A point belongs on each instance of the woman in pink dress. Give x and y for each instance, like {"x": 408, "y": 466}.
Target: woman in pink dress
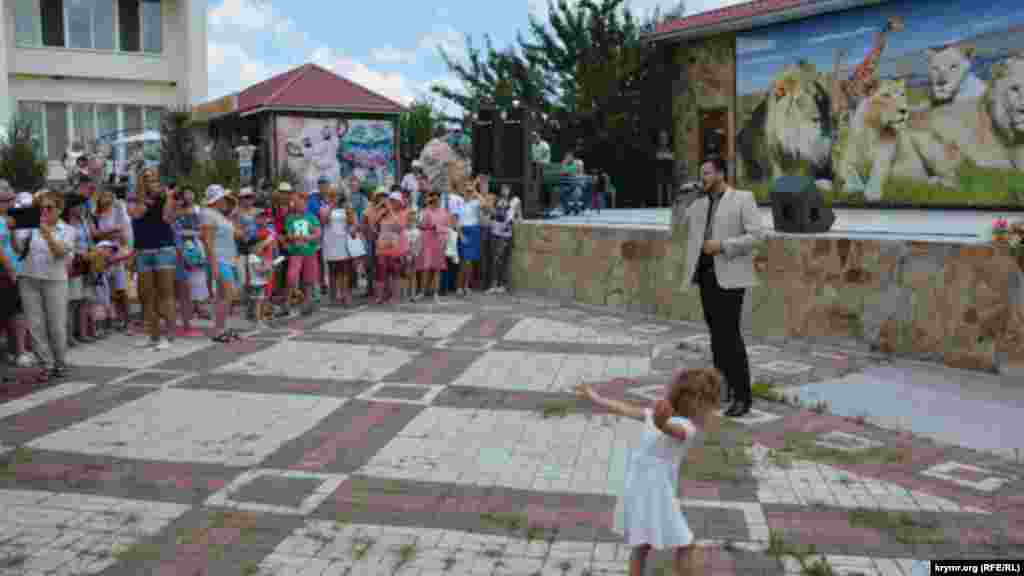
{"x": 433, "y": 224}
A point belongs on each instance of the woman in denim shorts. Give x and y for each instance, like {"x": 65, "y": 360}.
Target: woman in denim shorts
{"x": 156, "y": 257}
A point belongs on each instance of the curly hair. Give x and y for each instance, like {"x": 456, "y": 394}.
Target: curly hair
{"x": 694, "y": 393}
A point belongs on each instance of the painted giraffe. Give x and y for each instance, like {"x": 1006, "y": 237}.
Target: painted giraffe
{"x": 846, "y": 92}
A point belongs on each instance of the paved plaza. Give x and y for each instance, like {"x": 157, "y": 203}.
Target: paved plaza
{"x": 444, "y": 439}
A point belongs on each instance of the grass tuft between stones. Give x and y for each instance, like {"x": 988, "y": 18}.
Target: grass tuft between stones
{"x": 902, "y": 526}
{"x": 803, "y": 446}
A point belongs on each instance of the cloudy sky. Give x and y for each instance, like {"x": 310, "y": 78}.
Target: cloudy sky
{"x": 389, "y": 46}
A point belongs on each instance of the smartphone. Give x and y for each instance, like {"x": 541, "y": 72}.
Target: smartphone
{"x": 25, "y": 217}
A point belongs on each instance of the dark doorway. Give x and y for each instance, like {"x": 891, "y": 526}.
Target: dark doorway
{"x": 714, "y": 126}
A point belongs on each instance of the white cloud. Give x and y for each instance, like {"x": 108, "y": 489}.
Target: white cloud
{"x": 390, "y": 55}
{"x": 242, "y": 14}
{"x": 862, "y": 31}
{"x": 232, "y": 68}
{"x": 391, "y": 85}
{"x": 448, "y": 39}
{"x": 242, "y": 18}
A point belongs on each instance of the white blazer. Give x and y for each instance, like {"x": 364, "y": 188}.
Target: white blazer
{"x": 738, "y": 224}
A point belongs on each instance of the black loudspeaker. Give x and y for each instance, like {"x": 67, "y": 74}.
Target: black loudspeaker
{"x": 513, "y": 140}
{"x": 799, "y": 208}
{"x": 483, "y": 142}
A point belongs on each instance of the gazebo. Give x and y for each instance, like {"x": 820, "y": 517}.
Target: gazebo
{"x": 313, "y": 121}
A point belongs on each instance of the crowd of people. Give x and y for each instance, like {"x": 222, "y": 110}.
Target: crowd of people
{"x": 68, "y": 275}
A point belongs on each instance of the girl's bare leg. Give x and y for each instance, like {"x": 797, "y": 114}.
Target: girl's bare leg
{"x": 332, "y": 281}
{"x": 687, "y": 558}
{"x": 638, "y": 560}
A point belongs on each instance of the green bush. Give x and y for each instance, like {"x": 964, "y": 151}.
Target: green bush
{"x": 19, "y": 163}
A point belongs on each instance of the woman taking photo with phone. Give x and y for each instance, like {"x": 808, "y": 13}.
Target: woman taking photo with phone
{"x": 43, "y": 284}
{"x": 153, "y": 215}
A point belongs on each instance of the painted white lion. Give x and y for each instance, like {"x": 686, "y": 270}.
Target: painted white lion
{"x": 317, "y": 146}
{"x": 990, "y": 131}
{"x": 790, "y": 130}
{"x": 949, "y": 75}
{"x": 882, "y": 144}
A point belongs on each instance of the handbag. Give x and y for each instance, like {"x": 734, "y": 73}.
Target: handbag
{"x": 356, "y": 247}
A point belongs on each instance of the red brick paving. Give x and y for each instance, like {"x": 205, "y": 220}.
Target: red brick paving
{"x": 822, "y": 527}
{"x": 488, "y": 328}
{"x": 333, "y": 444}
{"x": 438, "y": 362}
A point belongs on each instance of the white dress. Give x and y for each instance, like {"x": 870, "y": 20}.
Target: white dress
{"x": 335, "y": 243}
{"x": 648, "y": 510}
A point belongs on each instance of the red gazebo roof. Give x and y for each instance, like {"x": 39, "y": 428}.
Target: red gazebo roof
{"x": 311, "y": 87}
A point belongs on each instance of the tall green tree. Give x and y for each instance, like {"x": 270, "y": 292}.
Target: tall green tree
{"x": 416, "y": 126}
{"x": 177, "y": 144}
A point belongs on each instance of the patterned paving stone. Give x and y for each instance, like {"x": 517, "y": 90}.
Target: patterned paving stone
{"x": 54, "y": 414}
{"x": 545, "y": 330}
{"x": 547, "y": 372}
{"x": 72, "y": 533}
{"x": 399, "y": 324}
{"x": 183, "y": 483}
{"x": 120, "y": 351}
{"x": 153, "y": 378}
{"x": 453, "y": 427}
{"x": 345, "y": 440}
{"x": 435, "y": 367}
{"x": 233, "y": 428}
{"x": 321, "y": 361}
{"x": 402, "y": 393}
{"x": 519, "y": 450}
{"x": 277, "y": 491}
{"x": 966, "y": 475}
{"x": 277, "y": 385}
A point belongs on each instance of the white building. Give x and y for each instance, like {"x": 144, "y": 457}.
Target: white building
{"x": 84, "y": 69}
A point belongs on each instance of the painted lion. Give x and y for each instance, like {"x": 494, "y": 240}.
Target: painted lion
{"x": 882, "y": 144}
{"x": 990, "y": 131}
{"x": 949, "y": 75}
{"x": 790, "y": 131}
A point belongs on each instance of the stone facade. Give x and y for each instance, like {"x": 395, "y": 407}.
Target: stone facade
{"x": 962, "y": 305}
{"x": 709, "y": 84}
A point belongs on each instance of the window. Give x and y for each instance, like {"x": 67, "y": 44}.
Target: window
{"x": 52, "y": 13}
{"x": 153, "y": 118}
{"x": 106, "y": 119}
{"x": 90, "y": 24}
{"x": 128, "y": 17}
{"x": 152, "y": 26}
{"x": 83, "y": 119}
{"x": 132, "y": 118}
{"x": 28, "y": 23}
{"x": 56, "y": 130}
{"x": 34, "y": 114}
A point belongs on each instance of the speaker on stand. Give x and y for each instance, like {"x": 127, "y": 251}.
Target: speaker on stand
{"x": 483, "y": 141}
{"x": 798, "y": 207}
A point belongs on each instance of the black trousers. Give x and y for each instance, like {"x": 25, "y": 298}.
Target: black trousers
{"x": 723, "y": 309}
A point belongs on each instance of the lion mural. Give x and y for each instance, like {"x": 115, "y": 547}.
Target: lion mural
{"x": 949, "y": 75}
{"x": 881, "y": 144}
{"x": 990, "y": 131}
{"x": 791, "y": 129}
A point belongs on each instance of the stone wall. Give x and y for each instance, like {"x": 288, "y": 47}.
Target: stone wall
{"x": 958, "y": 304}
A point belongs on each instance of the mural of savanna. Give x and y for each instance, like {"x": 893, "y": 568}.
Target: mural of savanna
{"x": 902, "y": 102}
{"x": 337, "y": 148}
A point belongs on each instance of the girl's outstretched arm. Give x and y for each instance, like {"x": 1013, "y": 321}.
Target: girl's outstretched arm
{"x": 622, "y": 408}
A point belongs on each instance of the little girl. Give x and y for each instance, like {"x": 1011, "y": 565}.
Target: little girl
{"x": 390, "y": 234}
{"x": 412, "y": 232}
{"x": 452, "y": 236}
{"x": 259, "y": 270}
{"x": 334, "y": 221}
{"x": 647, "y": 513}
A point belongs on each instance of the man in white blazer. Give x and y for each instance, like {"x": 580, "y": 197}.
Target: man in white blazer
{"x": 725, "y": 226}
